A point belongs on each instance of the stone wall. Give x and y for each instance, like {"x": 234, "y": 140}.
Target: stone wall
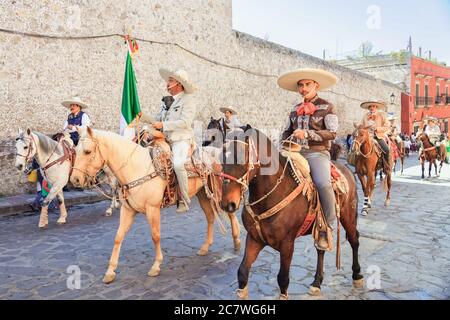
{"x": 229, "y": 67}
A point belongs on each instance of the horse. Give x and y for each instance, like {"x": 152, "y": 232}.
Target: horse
{"x": 400, "y": 153}
{"x": 143, "y": 187}
{"x": 431, "y": 155}
{"x": 212, "y": 133}
{"x": 252, "y": 162}
{"x": 55, "y": 161}
{"x": 368, "y": 162}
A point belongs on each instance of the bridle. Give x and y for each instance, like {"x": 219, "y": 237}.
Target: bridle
{"x": 87, "y": 176}
{"x": 244, "y": 180}
{"x": 27, "y": 157}
{"x": 357, "y": 148}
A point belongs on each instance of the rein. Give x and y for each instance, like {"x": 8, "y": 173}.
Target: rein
{"x": 358, "y": 149}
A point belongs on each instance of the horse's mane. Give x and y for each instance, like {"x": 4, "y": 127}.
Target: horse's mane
{"x": 46, "y": 143}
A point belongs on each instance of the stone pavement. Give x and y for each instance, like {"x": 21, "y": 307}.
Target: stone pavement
{"x": 407, "y": 243}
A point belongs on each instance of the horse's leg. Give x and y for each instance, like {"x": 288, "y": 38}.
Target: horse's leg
{"x": 423, "y": 168}
{"x": 54, "y": 191}
{"x": 252, "y": 249}
{"x": 429, "y": 169}
{"x": 435, "y": 167}
{"x": 154, "y": 219}
{"x": 235, "y": 231}
{"x": 209, "y": 214}
{"x": 353, "y": 238}
{"x": 286, "y": 253}
{"x": 62, "y": 208}
{"x": 112, "y": 181}
{"x": 403, "y": 161}
{"x": 362, "y": 179}
{"x": 314, "y": 289}
{"x": 126, "y": 220}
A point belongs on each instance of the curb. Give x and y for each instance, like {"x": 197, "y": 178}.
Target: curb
{"x": 21, "y": 204}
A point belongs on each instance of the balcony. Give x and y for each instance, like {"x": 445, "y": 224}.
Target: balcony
{"x": 424, "y": 101}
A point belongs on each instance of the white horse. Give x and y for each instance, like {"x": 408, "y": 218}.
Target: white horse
{"x": 46, "y": 151}
{"x": 133, "y": 167}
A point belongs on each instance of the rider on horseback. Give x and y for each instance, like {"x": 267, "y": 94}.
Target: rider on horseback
{"x": 76, "y": 117}
{"x": 314, "y": 123}
{"x": 176, "y": 122}
{"x": 433, "y": 132}
{"x": 229, "y": 118}
{"x": 377, "y": 122}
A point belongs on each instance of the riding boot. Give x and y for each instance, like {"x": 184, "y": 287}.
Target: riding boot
{"x": 328, "y": 202}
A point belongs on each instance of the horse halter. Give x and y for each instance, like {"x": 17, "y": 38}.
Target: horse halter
{"x": 87, "y": 176}
{"x": 244, "y": 180}
{"x": 30, "y": 149}
{"x": 357, "y": 147}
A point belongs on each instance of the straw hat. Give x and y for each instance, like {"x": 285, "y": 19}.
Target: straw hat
{"x": 229, "y": 108}
{"x": 289, "y": 81}
{"x": 379, "y": 104}
{"x": 433, "y": 119}
{"x": 392, "y": 118}
{"x": 181, "y": 76}
{"x": 74, "y": 100}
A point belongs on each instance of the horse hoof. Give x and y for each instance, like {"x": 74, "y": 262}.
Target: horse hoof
{"x": 358, "y": 284}
{"x": 313, "y": 291}
{"x": 284, "y": 297}
{"x": 364, "y": 213}
{"x": 202, "y": 252}
{"x": 43, "y": 227}
{"x": 109, "y": 277}
{"x": 117, "y": 205}
{"x": 154, "y": 272}
{"x": 108, "y": 213}
{"x": 237, "y": 246}
{"x": 387, "y": 203}
{"x": 61, "y": 222}
{"x": 242, "y": 293}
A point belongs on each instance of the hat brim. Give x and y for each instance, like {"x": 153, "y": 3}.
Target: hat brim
{"x": 187, "y": 85}
{"x": 366, "y": 105}
{"x": 224, "y": 109}
{"x": 289, "y": 80}
{"x": 67, "y": 103}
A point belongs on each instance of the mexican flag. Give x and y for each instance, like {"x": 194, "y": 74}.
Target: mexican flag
{"x": 130, "y": 100}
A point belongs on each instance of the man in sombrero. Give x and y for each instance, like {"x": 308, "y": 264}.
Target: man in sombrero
{"x": 77, "y": 117}
{"x": 314, "y": 123}
{"x": 229, "y": 118}
{"x": 176, "y": 123}
{"x": 376, "y": 120}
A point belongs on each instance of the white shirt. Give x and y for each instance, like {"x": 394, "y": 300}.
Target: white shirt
{"x": 85, "y": 122}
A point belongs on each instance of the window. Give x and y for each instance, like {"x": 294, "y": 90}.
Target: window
{"x": 418, "y": 94}
{"x": 426, "y": 95}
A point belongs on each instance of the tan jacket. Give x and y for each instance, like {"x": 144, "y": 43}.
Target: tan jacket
{"x": 178, "y": 120}
{"x": 378, "y": 123}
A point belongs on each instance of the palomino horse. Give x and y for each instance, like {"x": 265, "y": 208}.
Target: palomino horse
{"x": 368, "y": 162}
{"x": 430, "y": 154}
{"x": 56, "y": 164}
{"x": 135, "y": 171}
{"x": 265, "y": 173}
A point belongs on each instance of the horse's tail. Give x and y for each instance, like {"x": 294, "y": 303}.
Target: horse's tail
{"x": 335, "y": 151}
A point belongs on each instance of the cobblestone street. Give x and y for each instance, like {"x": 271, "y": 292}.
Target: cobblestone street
{"x": 409, "y": 243}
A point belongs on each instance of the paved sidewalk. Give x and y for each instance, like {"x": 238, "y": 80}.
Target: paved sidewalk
{"x": 21, "y": 204}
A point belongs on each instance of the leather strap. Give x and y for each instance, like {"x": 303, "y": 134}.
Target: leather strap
{"x": 67, "y": 155}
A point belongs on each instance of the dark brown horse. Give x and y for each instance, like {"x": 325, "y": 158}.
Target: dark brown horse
{"x": 368, "y": 162}
{"x": 430, "y": 154}
{"x": 253, "y": 163}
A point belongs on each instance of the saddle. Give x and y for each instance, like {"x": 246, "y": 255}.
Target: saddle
{"x": 68, "y": 152}
{"x": 200, "y": 164}
{"x": 315, "y": 219}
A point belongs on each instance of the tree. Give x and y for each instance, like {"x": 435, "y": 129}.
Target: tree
{"x": 365, "y": 49}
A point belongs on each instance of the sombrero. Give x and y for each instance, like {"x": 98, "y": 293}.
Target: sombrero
{"x": 229, "y": 108}
{"x": 181, "y": 76}
{"x": 379, "y": 104}
{"x": 74, "y": 100}
{"x": 431, "y": 119}
{"x": 289, "y": 80}
{"x": 392, "y": 118}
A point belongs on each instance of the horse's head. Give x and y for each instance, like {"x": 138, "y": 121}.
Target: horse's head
{"x": 246, "y": 154}
{"x": 213, "y": 133}
{"x": 361, "y": 136}
{"x": 26, "y": 149}
{"x": 89, "y": 159}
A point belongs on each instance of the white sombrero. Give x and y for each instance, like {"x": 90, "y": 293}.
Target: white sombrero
{"x": 229, "y": 108}
{"x": 431, "y": 119}
{"x": 289, "y": 80}
{"x": 392, "y": 118}
{"x": 379, "y": 104}
{"x": 181, "y": 76}
{"x": 74, "y": 100}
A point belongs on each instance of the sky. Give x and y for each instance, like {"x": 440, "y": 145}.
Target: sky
{"x": 340, "y": 27}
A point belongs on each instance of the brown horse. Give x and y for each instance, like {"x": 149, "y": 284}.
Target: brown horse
{"x": 252, "y": 162}
{"x": 368, "y": 162}
{"x": 430, "y": 154}
{"x": 400, "y": 153}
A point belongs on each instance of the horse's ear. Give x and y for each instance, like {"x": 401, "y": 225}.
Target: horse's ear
{"x": 28, "y": 131}
{"x": 355, "y": 125}
{"x": 90, "y": 132}
{"x": 20, "y": 132}
{"x": 248, "y": 127}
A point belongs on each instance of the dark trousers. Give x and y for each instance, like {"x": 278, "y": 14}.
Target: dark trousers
{"x": 384, "y": 147}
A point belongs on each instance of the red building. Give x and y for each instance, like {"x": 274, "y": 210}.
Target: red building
{"x": 429, "y": 95}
